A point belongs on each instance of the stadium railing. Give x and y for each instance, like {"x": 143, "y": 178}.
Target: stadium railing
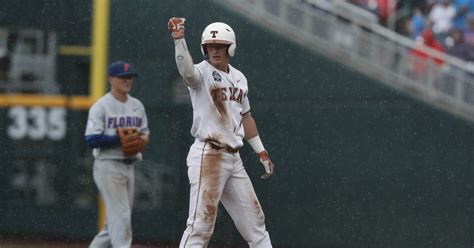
{"x": 340, "y": 32}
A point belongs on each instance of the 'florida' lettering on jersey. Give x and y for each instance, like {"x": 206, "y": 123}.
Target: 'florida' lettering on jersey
{"x": 124, "y": 121}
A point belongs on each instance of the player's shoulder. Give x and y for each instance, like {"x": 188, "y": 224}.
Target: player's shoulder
{"x": 236, "y": 71}
{"x": 203, "y": 65}
{"x": 101, "y": 101}
{"x": 239, "y": 76}
{"x": 135, "y": 101}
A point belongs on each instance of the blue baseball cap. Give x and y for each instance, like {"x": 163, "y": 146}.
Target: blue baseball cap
{"x": 122, "y": 69}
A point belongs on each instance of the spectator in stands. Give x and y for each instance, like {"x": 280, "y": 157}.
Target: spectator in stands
{"x": 459, "y": 48}
{"x": 422, "y": 59}
{"x": 417, "y": 24}
{"x": 469, "y": 33}
{"x": 462, "y": 9}
{"x": 441, "y": 16}
{"x": 384, "y": 9}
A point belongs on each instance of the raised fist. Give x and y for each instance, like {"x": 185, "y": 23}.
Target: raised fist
{"x": 267, "y": 164}
{"x": 176, "y": 27}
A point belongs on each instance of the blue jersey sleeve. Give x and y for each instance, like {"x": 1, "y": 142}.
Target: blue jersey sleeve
{"x": 102, "y": 140}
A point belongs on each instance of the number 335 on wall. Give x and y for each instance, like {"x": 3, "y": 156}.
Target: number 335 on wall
{"x": 36, "y": 123}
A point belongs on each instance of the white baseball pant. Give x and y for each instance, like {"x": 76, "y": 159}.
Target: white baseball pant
{"x": 220, "y": 176}
{"x": 116, "y": 183}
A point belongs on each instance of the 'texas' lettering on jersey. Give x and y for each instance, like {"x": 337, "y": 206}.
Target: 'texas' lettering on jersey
{"x": 227, "y": 94}
{"x": 124, "y": 121}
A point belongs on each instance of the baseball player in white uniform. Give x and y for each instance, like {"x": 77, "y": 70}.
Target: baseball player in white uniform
{"x": 221, "y": 119}
{"x": 113, "y": 171}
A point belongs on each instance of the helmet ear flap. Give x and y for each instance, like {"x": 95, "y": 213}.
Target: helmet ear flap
{"x": 204, "y": 50}
{"x": 231, "y": 49}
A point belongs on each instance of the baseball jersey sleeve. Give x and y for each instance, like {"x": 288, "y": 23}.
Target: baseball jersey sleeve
{"x": 245, "y": 101}
{"x": 95, "y": 120}
{"x": 184, "y": 62}
{"x": 245, "y": 105}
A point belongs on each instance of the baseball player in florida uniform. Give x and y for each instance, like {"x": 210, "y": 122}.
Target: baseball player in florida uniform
{"x": 221, "y": 119}
{"x": 113, "y": 171}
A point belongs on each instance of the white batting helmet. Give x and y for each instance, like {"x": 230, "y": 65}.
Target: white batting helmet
{"x": 218, "y": 33}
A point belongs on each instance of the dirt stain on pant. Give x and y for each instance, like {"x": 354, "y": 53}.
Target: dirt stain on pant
{"x": 258, "y": 212}
{"x": 210, "y": 180}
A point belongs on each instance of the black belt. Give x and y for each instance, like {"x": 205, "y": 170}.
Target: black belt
{"x": 225, "y": 148}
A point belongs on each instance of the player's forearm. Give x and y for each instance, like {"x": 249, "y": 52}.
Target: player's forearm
{"x": 185, "y": 64}
{"x": 102, "y": 140}
{"x": 250, "y": 127}
{"x": 251, "y": 133}
{"x": 252, "y": 137}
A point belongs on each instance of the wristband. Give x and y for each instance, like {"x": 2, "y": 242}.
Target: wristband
{"x": 256, "y": 144}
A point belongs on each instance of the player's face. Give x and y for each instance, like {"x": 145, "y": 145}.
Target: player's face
{"x": 121, "y": 85}
{"x": 218, "y": 56}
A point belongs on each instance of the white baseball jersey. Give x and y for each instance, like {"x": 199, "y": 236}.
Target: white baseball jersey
{"x": 108, "y": 114}
{"x": 219, "y": 101}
